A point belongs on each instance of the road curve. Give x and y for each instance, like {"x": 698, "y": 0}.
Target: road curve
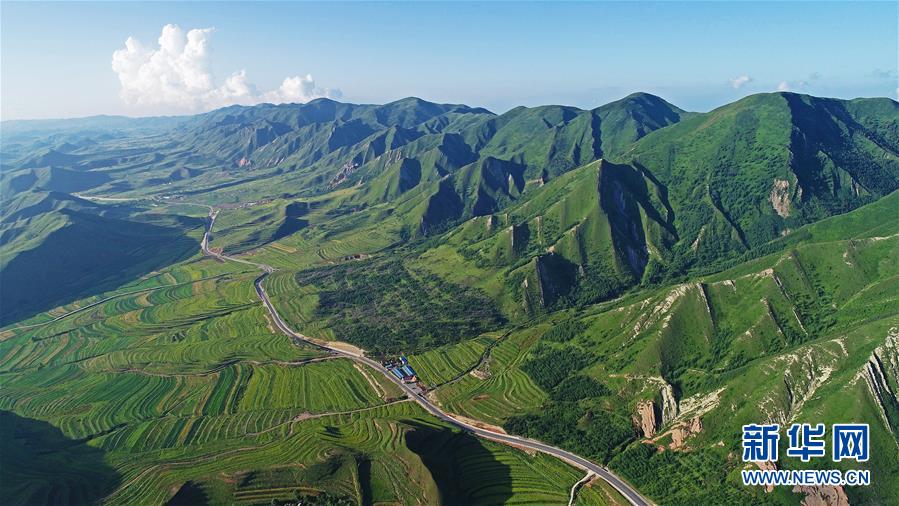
{"x": 620, "y": 485}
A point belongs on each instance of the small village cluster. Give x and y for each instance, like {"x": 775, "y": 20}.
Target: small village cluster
{"x": 400, "y": 368}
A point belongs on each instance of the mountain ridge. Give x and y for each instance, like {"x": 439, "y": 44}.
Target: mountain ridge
{"x": 680, "y": 191}
{"x": 631, "y": 283}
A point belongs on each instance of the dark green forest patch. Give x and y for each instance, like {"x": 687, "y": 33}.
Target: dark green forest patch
{"x": 383, "y": 306}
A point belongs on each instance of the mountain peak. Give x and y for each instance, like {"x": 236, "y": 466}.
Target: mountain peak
{"x": 322, "y": 100}
{"x": 643, "y": 99}
{"x": 644, "y": 96}
{"x": 411, "y": 101}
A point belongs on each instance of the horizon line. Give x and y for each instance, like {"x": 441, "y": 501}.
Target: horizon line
{"x": 322, "y": 99}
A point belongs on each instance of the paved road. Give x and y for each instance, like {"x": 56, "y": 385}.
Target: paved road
{"x": 623, "y": 488}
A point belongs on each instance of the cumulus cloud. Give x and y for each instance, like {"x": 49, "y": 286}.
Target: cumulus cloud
{"x": 738, "y": 82}
{"x": 799, "y": 84}
{"x": 178, "y": 74}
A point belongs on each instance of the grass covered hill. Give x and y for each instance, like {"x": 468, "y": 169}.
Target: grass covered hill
{"x": 430, "y": 165}
{"x": 698, "y": 195}
{"x": 321, "y": 145}
{"x": 56, "y": 248}
{"x": 520, "y": 196}
{"x": 632, "y": 283}
{"x": 658, "y": 383}
{"x": 769, "y": 163}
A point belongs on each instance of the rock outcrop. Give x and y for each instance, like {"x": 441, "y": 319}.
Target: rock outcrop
{"x": 882, "y": 366}
{"x": 669, "y": 403}
{"x": 649, "y": 417}
{"x": 681, "y": 432}
{"x": 645, "y": 418}
{"x": 780, "y": 197}
{"x": 767, "y": 466}
{"x": 822, "y": 495}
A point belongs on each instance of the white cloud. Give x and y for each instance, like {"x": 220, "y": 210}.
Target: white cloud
{"x": 738, "y": 82}
{"x": 799, "y": 84}
{"x": 178, "y": 74}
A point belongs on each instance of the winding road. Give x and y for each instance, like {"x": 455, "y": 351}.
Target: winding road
{"x": 620, "y": 485}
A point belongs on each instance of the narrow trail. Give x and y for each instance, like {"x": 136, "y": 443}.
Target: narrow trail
{"x": 620, "y": 485}
{"x": 222, "y": 366}
{"x": 312, "y": 416}
{"x": 577, "y": 486}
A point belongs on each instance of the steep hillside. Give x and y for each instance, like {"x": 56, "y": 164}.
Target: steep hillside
{"x": 584, "y": 236}
{"x": 55, "y": 248}
{"x": 231, "y": 147}
{"x": 659, "y": 383}
{"x": 301, "y": 134}
{"x": 241, "y": 153}
{"x": 632, "y": 282}
{"x": 695, "y": 196}
{"x": 552, "y": 139}
{"x": 750, "y": 171}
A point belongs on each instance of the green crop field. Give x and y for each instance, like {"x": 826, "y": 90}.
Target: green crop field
{"x": 389, "y": 454}
{"x": 502, "y": 389}
{"x": 445, "y": 363}
{"x": 178, "y": 387}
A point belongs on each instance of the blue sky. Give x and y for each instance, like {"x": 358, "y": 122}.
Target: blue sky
{"x": 57, "y": 58}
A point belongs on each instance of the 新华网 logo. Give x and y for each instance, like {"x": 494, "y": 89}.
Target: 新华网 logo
{"x": 806, "y": 442}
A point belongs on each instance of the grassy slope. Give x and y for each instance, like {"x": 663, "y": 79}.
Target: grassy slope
{"x": 184, "y": 389}
{"x": 831, "y": 155}
{"x": 696, "y": 196}
{"x": 188, "y": 350}
{"x": 57, "y": 249}
{"x": 785, "y": 337}
{"x": 699, "y": 195}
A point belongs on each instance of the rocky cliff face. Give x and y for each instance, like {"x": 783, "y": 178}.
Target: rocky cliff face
{"x": 881, "y": 373}
{"x": 681, "y": 432}
{"x": 648, "y": 416}
{"x": 645, "y": 418}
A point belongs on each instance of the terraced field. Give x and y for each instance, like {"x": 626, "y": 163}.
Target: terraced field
{"x": 176, "y": 386}
{"x": 384, "y": 455}
{"x": 159, "y": 368}
{"x": 499, "y": 389}
{"x": 297, "y": 234}
{"x": 318, "y": 387}
{"x": 445, "y": 363}
{"x": 299, "y": 252}
{"x": 295, "y": 303}
{"x": 598, "y": 493}
{"x": 195, "y": 269}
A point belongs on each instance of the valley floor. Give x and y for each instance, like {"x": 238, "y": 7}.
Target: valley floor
{"x": 177, "y": 387}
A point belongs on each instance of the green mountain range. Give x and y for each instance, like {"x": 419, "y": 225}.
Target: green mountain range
{"x": 632, "y": 283}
